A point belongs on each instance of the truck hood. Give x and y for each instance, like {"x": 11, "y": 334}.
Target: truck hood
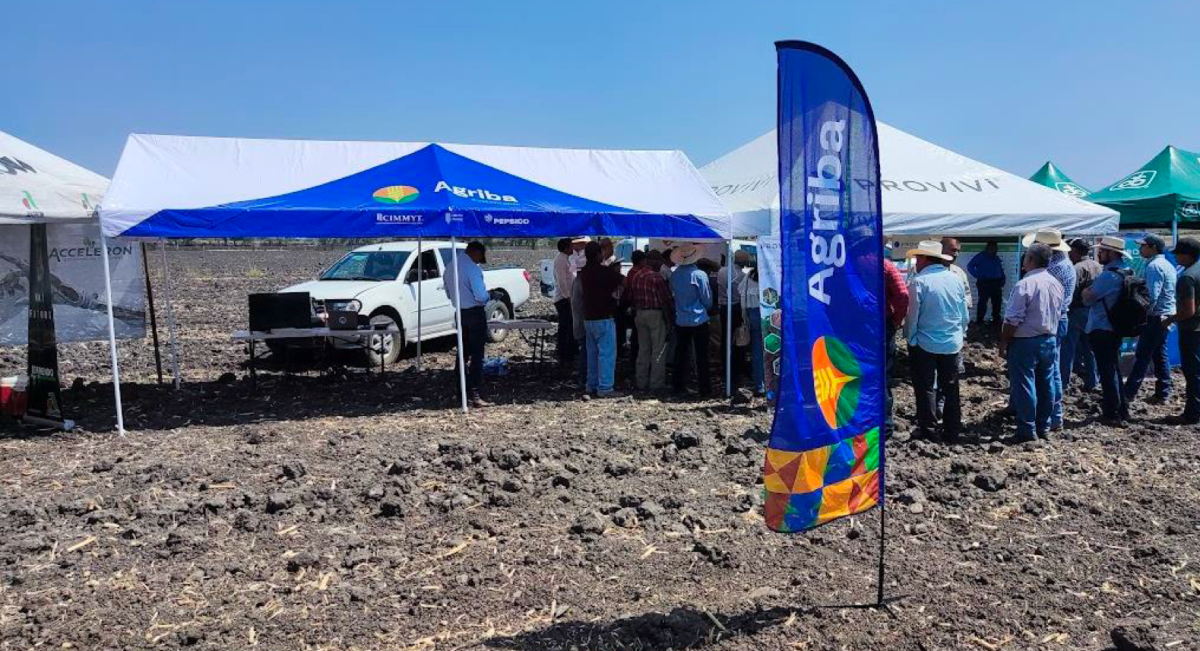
{"x": 323, "y": 290}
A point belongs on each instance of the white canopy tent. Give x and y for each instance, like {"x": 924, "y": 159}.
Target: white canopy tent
{"x": 195, "y": 187}
{"x": 927, "y": 190}
{"x": 37, "y": 187}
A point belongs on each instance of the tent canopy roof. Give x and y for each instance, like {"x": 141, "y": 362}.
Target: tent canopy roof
{"x": 1166, "y": 188}
{"x": 926, "y": 190}
{"x": 39, "y": 187}
{"x": 179, "y": 187}
{"x": 1051, "y": 176}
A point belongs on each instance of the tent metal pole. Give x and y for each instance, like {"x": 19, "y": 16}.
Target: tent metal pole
{"x": 728, "y": 319}
{"x": 153, "y": 314}
{"x": 112, "y": 334}
{"x": 170, "y": 316}
{"x": 420, "y": 282}
{"x": 462, "y": 364}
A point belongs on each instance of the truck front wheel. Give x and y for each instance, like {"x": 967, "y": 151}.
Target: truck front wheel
{"x": 497, "y": 310}
{"x": 384, "y": 347}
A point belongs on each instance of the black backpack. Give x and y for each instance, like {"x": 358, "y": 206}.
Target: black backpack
{"x": 1129, "y": 314}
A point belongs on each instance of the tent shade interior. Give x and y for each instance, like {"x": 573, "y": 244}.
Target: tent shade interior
{"x": 926, "y": 190}
{"x": 1164, "y": 191}
{"x": 188, "y": 187}
{"x": 39, "y": 187}
{"x": 1052, "y": 177}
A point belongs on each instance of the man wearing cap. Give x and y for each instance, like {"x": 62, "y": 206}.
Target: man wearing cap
{"x": 1160, "y": 279}
{"x": 465, "y": 272}
{"x": 1063, "y": 271}
{"x": 1027, "y": 340}
{"x": 934, "y": 328}
{"x": 1187, "y": 317}
{"x": 1076, "y": 353}
{"x": 988, "y": 270}
{"x": 1106, "y": 345}
{"x": 693, "y": 298}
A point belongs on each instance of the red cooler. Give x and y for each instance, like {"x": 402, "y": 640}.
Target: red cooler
{"x": 13, "y": 397}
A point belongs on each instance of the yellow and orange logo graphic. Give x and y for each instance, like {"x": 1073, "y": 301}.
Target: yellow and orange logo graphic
{"x": 396, "y": 194}
{"x": 837, "y": 380}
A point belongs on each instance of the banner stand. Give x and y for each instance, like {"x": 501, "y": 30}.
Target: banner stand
{"x": 420, "y": 282}
{"x": 728, "y": 318}
{"x": 153, "y": 316}
{"x": 170, "y": 315}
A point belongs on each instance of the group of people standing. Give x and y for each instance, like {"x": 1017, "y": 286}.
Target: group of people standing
{"x": 1058, "y": 323}
{"x": 663, "y": 306}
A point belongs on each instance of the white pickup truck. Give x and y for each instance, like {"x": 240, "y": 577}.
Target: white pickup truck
{"x": 380, "y": 282}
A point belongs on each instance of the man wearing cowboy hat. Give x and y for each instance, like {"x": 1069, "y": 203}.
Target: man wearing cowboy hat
{"x": 693, "y": 299}
{"x": 1160, "y": 278}
{"x": 1063, "y": 271}
{"x": 1106, "y": 345}
{"x": 1027, "y": 341}
{"x": 934, "y": 328}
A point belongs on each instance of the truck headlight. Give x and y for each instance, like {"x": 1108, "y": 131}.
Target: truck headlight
{"x": 352, "y": 305}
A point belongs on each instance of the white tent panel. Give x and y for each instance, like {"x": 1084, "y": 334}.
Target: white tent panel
{"x": 926, "y": 190}
{"x": 39, "y": 187}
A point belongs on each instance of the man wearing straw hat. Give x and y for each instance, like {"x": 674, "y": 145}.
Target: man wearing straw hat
{"x": 934, "y": 327}
{"x": 1106, "y": 345}
{"x": 1027, "y": 341}
{"x": 1061, "y": 269}
{"x": 693, "y": 299}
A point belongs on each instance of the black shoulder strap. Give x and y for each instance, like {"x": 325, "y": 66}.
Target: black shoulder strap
{"x": 1124, "y": 274}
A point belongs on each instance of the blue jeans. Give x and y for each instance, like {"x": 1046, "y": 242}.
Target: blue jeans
{"x": 1076, "y": 356}
{"x": 1151, "y": 347}
{"x": 757, "y": 371}
{"x": 601, "y": 337}
{"x": 1031, "y": 371}
{"x": 1056, "y": 381}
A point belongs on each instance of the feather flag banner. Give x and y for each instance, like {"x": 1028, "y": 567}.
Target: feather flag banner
{"x": 825, "y": 457}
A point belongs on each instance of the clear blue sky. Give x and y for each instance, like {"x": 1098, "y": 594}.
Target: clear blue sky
{"x": 1099, "y": 87}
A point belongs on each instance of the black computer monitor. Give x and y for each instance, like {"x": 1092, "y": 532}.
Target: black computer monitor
{"x": 274, "y": 311}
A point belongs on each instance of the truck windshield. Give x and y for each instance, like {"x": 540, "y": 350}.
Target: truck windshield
{"x": 367, "y": 265}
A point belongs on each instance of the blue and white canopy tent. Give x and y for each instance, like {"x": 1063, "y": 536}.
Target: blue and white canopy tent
{"x": 198, "y": 187}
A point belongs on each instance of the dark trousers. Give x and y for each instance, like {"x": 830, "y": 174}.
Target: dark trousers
{"x": 989, "y": 292}
{"x": 475, "y": 332}
{"x": 932, "y": 373}
{"x": 739, "y": 352}
{"x": 565, "y": 342}
{"x": 1106, "y": 346}
{"x": 691, "y": 340}
{"x": 1189, "y": 353}
{"x": 1151, "y": 348}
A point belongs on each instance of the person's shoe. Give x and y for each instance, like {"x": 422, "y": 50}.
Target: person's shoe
{"x": 1181, "y": 419}
{"x": 1158, "y": 399}
{"x": 1110, "y": 421}
{"x": 479, "y": 403}
{"x": 608, "y": 395}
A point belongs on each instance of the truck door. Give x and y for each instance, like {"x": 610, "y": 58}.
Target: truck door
{"x": 435, "y": 307}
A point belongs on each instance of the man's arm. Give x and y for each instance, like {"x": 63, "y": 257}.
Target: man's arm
{"x": 899, "y": 291}
{"x": 1185, "y": 302}
{"x": 914, "y": 311}
{"x": 1154, "y": 284}
{"x": 478, "y": 288}
{"x": 706, "y": 296}
{"x": 1014, "y": 316}
{"x": 973, "y": 267}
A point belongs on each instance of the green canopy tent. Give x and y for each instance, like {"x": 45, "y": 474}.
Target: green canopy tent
{"x": 1052, "y": 177}
{"x": 1164, "y": 192}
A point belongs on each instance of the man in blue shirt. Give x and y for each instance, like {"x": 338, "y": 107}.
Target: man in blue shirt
{"x": 463, "y": 271}
{"x": 934, "y": 328}
{"x": 1152, "y": 343}
{"x": 1106, "y": 345}
{"x": 1187, "y": 318}
{"x": 693, "y": 299}
{"x": 988, "y": 270}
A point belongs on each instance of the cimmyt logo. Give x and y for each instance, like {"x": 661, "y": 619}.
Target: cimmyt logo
{"x": 1136, "y": 181}
{"x": 837, "y": 380}
{"x": 396, "y": 194}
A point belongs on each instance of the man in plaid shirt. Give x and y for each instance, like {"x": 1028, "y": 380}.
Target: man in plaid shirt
{"x": 651, "y": 300}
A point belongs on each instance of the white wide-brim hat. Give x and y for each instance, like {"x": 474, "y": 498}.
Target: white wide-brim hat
{"x": 686, "y": 254}
{"x": 1114, "y": 244}
{"x": 929, "y": 249}
{"x": 1051, "y": 237}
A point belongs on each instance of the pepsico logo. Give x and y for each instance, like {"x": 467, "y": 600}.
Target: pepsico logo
{"x": 837, "y": 380}
{"x": 396, "y": 194}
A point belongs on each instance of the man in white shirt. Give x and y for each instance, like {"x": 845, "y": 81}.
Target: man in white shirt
{"x": 564, "y": 280}
{"x": 465, "y": 273}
